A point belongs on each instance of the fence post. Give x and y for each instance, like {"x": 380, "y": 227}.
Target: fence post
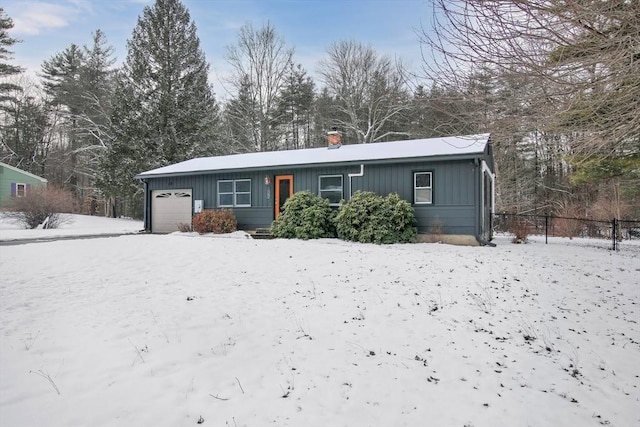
{"x": 614, "y": 232}
{"x": 546, "y": 228}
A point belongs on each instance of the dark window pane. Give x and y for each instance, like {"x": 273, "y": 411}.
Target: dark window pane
{"x": 330, "y": 182}
{"x": 243, "y": 186}
{"x": 333, "y": 196}
{"x": 225, "y": 186}
{"x": 243, "y": 199}
{"x": 423, "y": 180}
{"x": 226, "y": 199}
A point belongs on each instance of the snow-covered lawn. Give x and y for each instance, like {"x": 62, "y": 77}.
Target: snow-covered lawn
{"x": 172, "y": 330}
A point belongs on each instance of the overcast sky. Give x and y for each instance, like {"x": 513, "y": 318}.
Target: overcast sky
{"x": 49, "y": 26}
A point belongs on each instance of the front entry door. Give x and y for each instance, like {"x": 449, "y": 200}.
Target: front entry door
{"x": 284, "y": 190}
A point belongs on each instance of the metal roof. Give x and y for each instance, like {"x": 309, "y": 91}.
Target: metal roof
{"x": 416, "y": 148}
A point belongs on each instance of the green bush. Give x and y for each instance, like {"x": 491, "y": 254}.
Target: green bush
{"x": 305, "y": 216}
{"x": 215, "y": 221}
{"x": 369, "y": 218}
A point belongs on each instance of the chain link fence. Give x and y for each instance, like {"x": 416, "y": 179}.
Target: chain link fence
{"x": 614, "y": 231}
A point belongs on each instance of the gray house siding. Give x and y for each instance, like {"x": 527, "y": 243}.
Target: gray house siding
{"x": 455, "y": 204}
{"x": 454, "y": 201}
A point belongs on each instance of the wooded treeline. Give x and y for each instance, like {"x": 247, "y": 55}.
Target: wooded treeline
{"x": 556, "y": 83}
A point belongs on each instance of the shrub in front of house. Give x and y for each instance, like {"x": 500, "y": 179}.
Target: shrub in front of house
{"x": 46, "y": 206}
{"x": 519, "y": 228}
{"x": 305, "y": 216}
{"x": 370, "y": 218}
{"x": 215, "y": 221}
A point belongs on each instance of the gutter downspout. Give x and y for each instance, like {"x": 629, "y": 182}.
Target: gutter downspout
{"x": 478, "y": 199}
{"x": 352, "y": 175}
{"x": 484, "y": 168}
{"x": 492, "y": 176}
{"x": 145, "y": 206}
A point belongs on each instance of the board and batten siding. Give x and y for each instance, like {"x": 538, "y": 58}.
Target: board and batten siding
{"x": 454, "y": 200}
{"x": 454, "y": 190}
{"x": 205, "y": 187}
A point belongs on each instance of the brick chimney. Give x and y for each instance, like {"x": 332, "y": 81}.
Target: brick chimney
{"x": 334, "y": 140}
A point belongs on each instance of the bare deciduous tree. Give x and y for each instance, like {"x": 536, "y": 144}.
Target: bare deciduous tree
{"x": 577, "y": 69}
{"x": 260, "y": 60}
{"x": 585, "y": 55}
{"x": 369, "y": 89}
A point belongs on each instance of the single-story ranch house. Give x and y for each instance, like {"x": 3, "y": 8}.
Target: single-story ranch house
{"x": 449, "y": 181}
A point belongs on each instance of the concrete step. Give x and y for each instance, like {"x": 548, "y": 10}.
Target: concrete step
{"x": 262, "y": 233}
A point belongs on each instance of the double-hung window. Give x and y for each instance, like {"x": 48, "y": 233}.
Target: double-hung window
{"x": 423, "y": 188}
{"x": 330, "y": 187}
{"x": 242, "y": 189}
{"x": 234, "y": 193}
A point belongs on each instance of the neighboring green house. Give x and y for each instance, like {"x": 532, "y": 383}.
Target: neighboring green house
{"x": 16, "y": 183}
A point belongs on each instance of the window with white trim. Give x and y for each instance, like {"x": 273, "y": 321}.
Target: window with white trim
{"x": 225, "y": 193}
{"x": 234, "y": 193}
{"x": 330, "y": 187}
{"x": 422, "y": 188}
{"x": 242, "y": 188}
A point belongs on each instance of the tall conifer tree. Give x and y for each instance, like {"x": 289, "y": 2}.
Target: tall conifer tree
{"x": 6, "y": 69}
{"x": 78, "y": 82}
{"x": 164, "y": 108}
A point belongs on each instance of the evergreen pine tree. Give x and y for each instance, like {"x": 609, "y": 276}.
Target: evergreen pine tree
{"x": 325, "y": 118}
{"x": 62, "y": 83}
{"x": 164, "y": 109}
{"x": 6, "y": 69}
{"x": 78, "y": 82}
{"x": 238, "y": 112}
{"x": 294, "y": 112}
{"x": 94, "y": 122}
{"x": 97, "y": 79}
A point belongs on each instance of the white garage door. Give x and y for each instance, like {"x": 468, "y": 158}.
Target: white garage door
{"x": 169, "y": 208}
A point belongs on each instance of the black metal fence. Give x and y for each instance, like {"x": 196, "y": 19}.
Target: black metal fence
{"x": 615, "y": 230}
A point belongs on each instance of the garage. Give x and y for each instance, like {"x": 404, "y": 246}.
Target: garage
{"x": 169, "y": 208}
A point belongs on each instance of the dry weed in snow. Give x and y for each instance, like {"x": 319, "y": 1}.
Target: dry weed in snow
{"x": 181, "y": 330}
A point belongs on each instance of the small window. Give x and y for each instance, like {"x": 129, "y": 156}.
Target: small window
{"x": 330, "y": 187}
{"x": 234, "y": 193}
{"x": 422, "y": 188}
{"x": 21, "y": 190}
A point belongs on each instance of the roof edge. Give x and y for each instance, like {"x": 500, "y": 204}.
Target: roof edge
{"x": 436, "y": 158}
{"x": 205, "y": 165}
{"x": 15, "y": 169}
